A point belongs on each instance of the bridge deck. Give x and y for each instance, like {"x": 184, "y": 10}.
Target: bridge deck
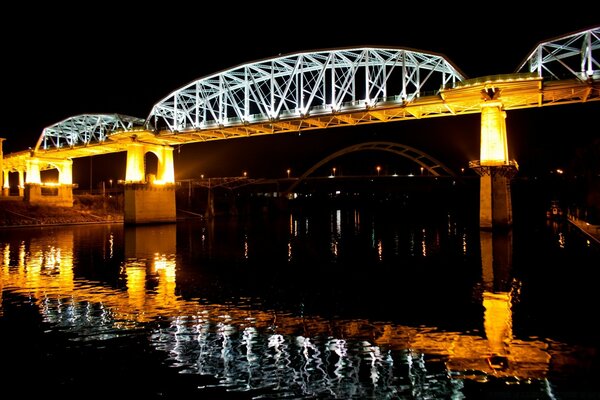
{"x": 518, "y": 91}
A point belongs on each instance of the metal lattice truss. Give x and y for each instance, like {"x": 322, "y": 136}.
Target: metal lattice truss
{"x": 85, "y": 129}
{"x": 576, "y": 55}
{"x": 303, "y": 84}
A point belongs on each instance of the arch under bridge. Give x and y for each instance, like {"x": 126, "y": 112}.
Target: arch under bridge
{"x": 317, "y": 90}
{"x": 427, "y": 162}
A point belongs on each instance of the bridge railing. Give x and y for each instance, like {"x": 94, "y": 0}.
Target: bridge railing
{"x": 517, "y": 76}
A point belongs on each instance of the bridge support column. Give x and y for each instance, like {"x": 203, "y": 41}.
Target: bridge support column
{"x": 21, "y": 183}
{"x": 149, "y": 202}
{"x": 494, "y": 167}
{"x": 6, "y": 183}
{"x": 59, "y": 195}
{"x": 4, "y": 177}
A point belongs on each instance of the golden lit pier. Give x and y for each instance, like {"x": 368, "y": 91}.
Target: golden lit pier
{"x": 316, "y": 90}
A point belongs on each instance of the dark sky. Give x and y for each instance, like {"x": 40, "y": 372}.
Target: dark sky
{"x": 60, "y": 63}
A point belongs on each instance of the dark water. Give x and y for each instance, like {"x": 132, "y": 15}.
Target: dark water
{"x": 340, "y": 304}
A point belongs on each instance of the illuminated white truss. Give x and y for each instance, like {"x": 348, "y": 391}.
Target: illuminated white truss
{"x": 85, "y": 129}
{"x": 301, "y": 85}
{"x": 576, "y": 55}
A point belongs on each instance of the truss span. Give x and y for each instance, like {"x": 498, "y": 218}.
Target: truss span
{"x": 433, "y": 166}
{"x": 575, "y": 55}
{"x": 302, "y": 84}
{"x": 85, "y": 129}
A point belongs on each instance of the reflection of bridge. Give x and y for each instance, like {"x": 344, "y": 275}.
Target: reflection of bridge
{"x": 316, "y": 90}
{"x": 44, "y": 271}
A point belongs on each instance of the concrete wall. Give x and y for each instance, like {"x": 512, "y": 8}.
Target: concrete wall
{"x": 146, "y": 203}
{"x": 63, "y": 197}
{"x": 495, "y": 205}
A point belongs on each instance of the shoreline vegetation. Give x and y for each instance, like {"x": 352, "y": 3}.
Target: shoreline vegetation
{"x": 14, "y": 212}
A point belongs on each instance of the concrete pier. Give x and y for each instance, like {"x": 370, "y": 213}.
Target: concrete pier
{"x": 149, "y": 203}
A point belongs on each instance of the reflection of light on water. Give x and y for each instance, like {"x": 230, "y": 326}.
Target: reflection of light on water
{"x": 424, "y": 244}
{"x": 227, "y": 352}
{"x": 376, "y": 360}
{"x": 340, "y": 348}
{"x": 293, "y": 226}
{"x": 238, "y": 346}
{"x": 6, "y": 255}
{"x": 498, "y": 321}
{"x": 136, "y": 284}
{"x": 380, "y": 250}
{"x": 246, "y": 246}
{"x": 248, "y": 340}
{"x": 5, "y": 265}
{"x": 165, "y": 268}
{"x": 293, "y": 234}
{"x": 561, "y": 240}
{"x": 356, "y": 221}
{"x": 464, "y": 243}
{"x": 22, "y": 255}
{"x": 336, "y": 228}
{"x": 111, "y": 242}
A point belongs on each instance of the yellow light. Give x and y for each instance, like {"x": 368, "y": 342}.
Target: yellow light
{"x": 166, "y": 169}
{"x": 498, "y": 321}
{"x": 136, "y": 284}
{"x": 65, "y": 172}
{"x": 135, "y": 163}
{"x": 494, "y": 147}
{"x": 33, "y": 171}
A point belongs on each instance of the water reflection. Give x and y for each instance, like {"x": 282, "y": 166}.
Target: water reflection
{"x": 508, "y": 356}
{"x": 248, "y": 347}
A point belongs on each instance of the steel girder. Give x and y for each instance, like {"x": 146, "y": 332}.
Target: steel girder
{"x": 85, "y": 129}
{"x": 576, "y": 55}
{"x": 302, "y": 84}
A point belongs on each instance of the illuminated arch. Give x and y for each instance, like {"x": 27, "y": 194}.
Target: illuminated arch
{"x": 433, "y": 166}
{"x": 303, "y": 84}
{"x": 85, "y": 129}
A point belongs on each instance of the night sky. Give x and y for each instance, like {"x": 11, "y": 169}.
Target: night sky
{"x": 60, "y": 63}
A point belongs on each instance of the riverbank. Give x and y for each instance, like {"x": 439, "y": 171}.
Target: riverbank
{"x": 14, "y": 212}
{"x": 592, "y": 231}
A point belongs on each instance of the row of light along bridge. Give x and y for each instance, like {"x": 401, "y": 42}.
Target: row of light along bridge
{"x": 314, "y": 90}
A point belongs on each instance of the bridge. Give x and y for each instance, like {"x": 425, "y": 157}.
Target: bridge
{"x": 315, "y": 90}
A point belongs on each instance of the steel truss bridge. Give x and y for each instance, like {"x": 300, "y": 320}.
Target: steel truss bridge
{"x": 324, "y": 89}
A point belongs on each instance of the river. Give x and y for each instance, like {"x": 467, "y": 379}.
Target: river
{"x": 340, "y": 303}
